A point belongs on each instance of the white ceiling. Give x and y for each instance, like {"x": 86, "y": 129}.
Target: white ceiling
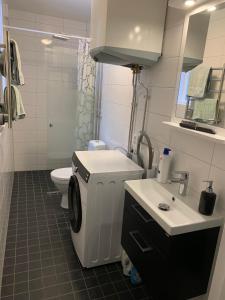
{"x": 70, "y": 9}
{"x": 180, "y": 3}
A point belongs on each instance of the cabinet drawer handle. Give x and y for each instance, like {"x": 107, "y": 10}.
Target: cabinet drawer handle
{"x": 136, "y": 209}
{"x": 140, "y": 242}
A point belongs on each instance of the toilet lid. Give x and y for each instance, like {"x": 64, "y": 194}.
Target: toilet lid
{"x": 62, "y": 174}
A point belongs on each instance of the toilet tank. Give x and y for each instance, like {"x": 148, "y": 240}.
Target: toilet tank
{"x": 127, "y": 32}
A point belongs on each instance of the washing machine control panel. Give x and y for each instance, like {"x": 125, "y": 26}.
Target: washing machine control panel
{"x": 79, "y": 168}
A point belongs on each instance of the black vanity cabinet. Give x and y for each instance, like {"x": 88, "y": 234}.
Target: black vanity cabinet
{"x": 173, "y": 267}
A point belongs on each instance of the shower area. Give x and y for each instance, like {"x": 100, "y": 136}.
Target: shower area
{"x": 58, "y": 96}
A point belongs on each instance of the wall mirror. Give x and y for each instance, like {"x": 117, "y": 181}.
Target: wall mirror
{"x": 201, "y": 94}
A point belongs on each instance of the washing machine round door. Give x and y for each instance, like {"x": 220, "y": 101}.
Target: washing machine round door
{"x": 75, "y": 208}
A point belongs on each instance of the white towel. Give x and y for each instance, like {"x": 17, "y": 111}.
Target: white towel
{"x": 17, "y": 108}
{"x": 17, "y": 74}
{"x": 205, "y": 109}
{"x": 198, "y": 81}
{"x": 20, "y": 111}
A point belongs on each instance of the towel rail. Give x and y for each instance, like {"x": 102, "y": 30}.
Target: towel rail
{"x": 210, "y": 90}
{"x": 8, "y": 116}
{"x": 8, "y": 75}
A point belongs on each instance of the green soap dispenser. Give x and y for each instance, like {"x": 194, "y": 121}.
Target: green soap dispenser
{"x": 207, "y": 200}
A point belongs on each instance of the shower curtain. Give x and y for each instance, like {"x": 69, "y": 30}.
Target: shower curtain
{"x": 85, "y": 112}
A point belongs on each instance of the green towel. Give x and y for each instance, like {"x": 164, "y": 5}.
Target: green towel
{"x": 198, "y": 81}
{"x": 204, "y": 109}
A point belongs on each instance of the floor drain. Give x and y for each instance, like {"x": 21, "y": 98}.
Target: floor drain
{"x": 164, "y": 206}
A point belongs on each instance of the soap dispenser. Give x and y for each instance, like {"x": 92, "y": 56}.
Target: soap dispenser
{"x": 207, "y": 200}
{"x": 164, "y": 166}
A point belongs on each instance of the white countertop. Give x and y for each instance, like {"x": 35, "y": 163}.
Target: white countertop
{"x": 183, "y": 215}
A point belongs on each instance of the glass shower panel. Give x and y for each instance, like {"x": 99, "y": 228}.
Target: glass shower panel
{"x": 61, "y": 101}
{"x": 45, "y": 139}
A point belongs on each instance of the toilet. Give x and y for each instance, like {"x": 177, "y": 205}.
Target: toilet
{"x": 61, "y": 178}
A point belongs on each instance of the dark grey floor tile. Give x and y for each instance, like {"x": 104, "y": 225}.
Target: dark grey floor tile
{"x": 82, "y": 295}
{"x": 21, "y": 287}
{"x": 7, "y": 298}
{"x": 8, "y": 270}
{"x": 36, "y": 284}
{"x": 88, "y": 273}
{"x": 50, "y": 280}
{"x": 37, "y": 295}
{"x": 125, "y": 296}
{"x": 34, "y": 274}
{"x": 95, "y": 293}
{"x": 65, "y": 288}
{"x": 40, "y": 261}
{"x": 22, "y": 296}
{"x": 120, "y": 286}
{"x": 115, "y": 276}
{"x": 108, "y": 289}
{"x": 8, "y": 279}
{"x": 112, "y": 297}
{"x": 68, "y": 297}
{"x": 51, "y": 291}
{"x": 76, "y": 274}
{"x": 138, "y": 293}
{"x": 91, "y": 282}
{"x": 7, "y": 290}
{"x": 78, "y": 285}
{"x": 104, "y": 278}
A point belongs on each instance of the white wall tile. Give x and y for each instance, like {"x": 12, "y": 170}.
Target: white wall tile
{"x": 162, "y": 100}
{"x": 219, "y": 157}
{"x": 175, "y": 17}
{"x": 198, "y": 170}
{"x": 172, "y": 41}
{"x": 115, "y": 124}
{"x": 23, "y": 23}
{"x": 23, "y": 15}
{"x": 114, "y": 93}
{"x": 157, "y": 129}
{"x": 116, "y": 75}
{"x": 215, "y": 47}
{"x": 218, "y": 175}
{"x": 164, "y": 73}
{"x": 216, "y": 28}
{"x": 199, "y": 148}
{"x": 29, "y": 71}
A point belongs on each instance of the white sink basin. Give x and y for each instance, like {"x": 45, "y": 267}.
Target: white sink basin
{"x": 181, "y": 218}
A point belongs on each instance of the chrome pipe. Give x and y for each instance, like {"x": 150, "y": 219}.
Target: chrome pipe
{"x": 136, "y": 69}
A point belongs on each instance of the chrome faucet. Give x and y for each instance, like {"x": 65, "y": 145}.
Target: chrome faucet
{"x": 182, "y": 180}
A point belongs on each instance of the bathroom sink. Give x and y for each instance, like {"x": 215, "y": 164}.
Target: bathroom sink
{"x": 182, "y": 216}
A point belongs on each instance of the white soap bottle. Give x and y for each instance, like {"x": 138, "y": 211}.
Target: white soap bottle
{"x": 164, "y": 166}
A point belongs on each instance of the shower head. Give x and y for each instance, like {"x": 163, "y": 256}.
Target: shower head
{"x": 61, "y": 37}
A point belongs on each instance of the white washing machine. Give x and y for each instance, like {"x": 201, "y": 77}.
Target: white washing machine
{"x": 96, "y": 200}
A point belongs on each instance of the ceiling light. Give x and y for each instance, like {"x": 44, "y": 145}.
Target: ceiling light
{"x": 190, "y": 2}
{"x": 212, "y": 8}
{"x": 137, "y": 29}
{"x": 46, "y": 42}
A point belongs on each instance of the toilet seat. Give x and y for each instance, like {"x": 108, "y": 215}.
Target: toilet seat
{"x": 62, "y": 174}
